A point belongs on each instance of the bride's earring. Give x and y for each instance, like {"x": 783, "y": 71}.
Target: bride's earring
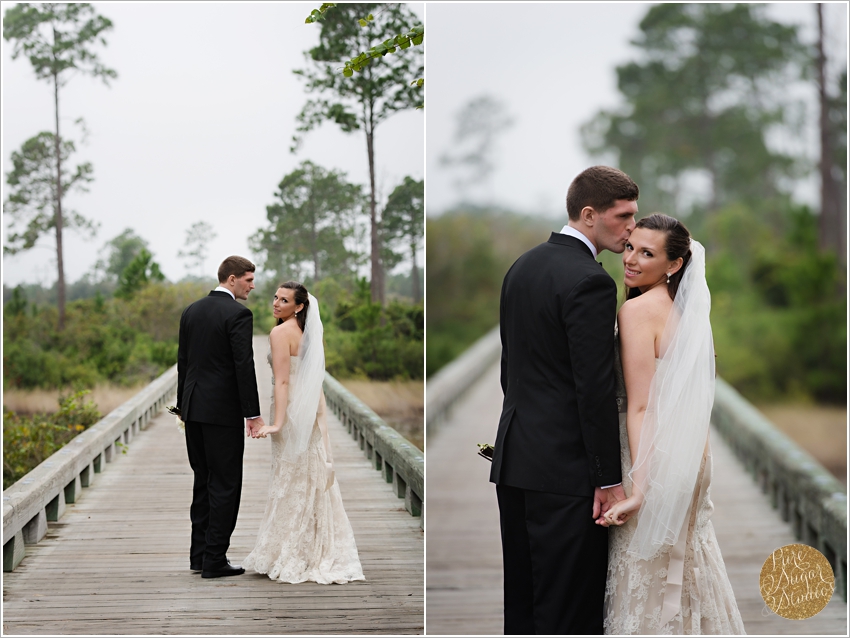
{"x": 668, "y": 277}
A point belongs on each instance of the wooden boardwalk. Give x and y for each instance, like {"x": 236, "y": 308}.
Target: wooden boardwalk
{"x": 464, "y": 560}
{"x": 117, "y": 562}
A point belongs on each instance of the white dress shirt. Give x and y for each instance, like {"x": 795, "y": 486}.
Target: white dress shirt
{"x": 572, "y": 232}
{"x": 223, "y": 289}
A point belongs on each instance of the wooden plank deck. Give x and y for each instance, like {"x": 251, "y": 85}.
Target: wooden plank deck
{"x": 117, "y": 562}
{"x": 464, "y": 560}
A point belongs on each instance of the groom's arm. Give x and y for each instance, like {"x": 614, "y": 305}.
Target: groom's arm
{"x": 182, "y": 358}
{"x": 241, "y": 332}
{"x": 588, "y": 315}
{"x": 502, "y": 332}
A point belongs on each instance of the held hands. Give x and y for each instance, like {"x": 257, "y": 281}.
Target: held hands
{"x": 252, "y": 425}
{"x": 262, "y": 432}
{"x": 621, "y": 511}
{"x": 604, "y": 499}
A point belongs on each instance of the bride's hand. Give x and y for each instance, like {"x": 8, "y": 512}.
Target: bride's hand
{"x": 267, "y": 429}
{"x": 621, "y": 511}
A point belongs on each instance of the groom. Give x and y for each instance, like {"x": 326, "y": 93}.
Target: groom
{"x": 557, "y": 460}
{"x": 216, "y": 392}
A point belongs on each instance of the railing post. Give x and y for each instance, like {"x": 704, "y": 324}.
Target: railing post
{"x": 73, "y": 489}
{"x": 87, "y": 475}
{"x": 13, "y": 552}
{"x": 56, "y": 507}
{"x": 36, "y": 529}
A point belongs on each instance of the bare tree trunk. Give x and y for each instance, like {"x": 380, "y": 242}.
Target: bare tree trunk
{"x": 377, "y": 284}
{"x": 60, "y": 265}
{"x": 314, "y": 243}
{"x": 830, "y": 226}
{"x": 417, "y": 295}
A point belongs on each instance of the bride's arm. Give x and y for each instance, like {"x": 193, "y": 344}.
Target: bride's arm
{"x": 637, "y": 353}
{"x": 280, "y": 344}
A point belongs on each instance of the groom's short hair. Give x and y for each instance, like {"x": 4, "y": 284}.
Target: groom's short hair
{"x": 234, "y": 265}
{"x": 599, "y": 187}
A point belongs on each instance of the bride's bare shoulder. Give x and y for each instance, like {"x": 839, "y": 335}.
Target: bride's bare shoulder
{"x": 283, "y": 332}
{"x": 649, "y": 307}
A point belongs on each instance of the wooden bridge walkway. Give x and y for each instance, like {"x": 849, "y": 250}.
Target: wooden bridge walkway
{"x": 464, "y": 560}
{"x": 117, "y": 562}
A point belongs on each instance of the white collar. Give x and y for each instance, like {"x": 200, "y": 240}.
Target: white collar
{"x": 572, "y": 232}
{"x": 223, "y": 289}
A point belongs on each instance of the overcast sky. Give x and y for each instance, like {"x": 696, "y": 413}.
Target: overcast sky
{"x": 553, "y": 66}
{"x": 197, "y": 126}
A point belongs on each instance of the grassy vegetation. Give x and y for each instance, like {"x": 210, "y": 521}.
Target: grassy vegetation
{"x": 400, "y": 403}
{"x": 106, "y": 396}
{"x": 820, "y": 430}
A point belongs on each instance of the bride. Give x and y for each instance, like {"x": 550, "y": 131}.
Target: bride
{"x": 305, "y": 534}
{"x": 665, "y": 571}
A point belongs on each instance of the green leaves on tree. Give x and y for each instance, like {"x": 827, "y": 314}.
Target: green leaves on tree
{"x": 310, "y": 224}
{"x": 138, "y": 273}
{"x": 402, "y": 226}
{"x": 117, "y": 254}
{"x": 402, "y": 41}
{"x": 363, "y": 101}
{"x": 701, "y": 101}
{"x": 317, "y": 15}
{"x": 58, "y": 37}
{"x": 31, "y": 201}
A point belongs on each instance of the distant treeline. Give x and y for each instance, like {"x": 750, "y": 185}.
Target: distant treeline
{"x": 778, "y": 302}
{"x": 131, "y": 339}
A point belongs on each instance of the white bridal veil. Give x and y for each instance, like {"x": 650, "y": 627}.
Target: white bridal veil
{"x": 675, "y": 428}
{"x": 306, "y": 388}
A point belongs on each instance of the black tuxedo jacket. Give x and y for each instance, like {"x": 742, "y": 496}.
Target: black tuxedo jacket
{"x": 216, "y": 382}
{"x": 559, "y": 429}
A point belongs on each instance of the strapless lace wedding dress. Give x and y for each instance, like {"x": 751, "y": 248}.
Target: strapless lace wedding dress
{"x": 305, "y": 534}
{"x": 635, "y": 589}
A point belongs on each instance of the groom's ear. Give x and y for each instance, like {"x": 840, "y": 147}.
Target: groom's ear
{"x": 588, "y": 215}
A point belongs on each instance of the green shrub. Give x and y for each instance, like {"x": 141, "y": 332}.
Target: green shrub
{"x": 123, "y": 341}
{"x": 29, "y": 440}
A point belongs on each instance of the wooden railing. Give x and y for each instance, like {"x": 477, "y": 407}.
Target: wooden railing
{"x": 449, "y": 385}
{"x": 803, "y": 491}
{"x": 41, "y": 495}
{"x": 400, "y": 462}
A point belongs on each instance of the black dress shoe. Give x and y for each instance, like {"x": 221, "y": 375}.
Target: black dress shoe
{"x": 197, "y": 568}
{"x": 227, "y": 570}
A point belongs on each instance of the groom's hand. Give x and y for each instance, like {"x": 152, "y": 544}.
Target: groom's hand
{"x": 604, "y": 499}
{"x": 252, "y": 426}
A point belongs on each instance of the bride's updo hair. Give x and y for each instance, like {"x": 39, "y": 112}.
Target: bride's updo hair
{"x": 300, "y": 297}
{"x": 678, "y": 244}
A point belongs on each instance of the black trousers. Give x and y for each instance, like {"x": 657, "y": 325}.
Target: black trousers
{"x": 555, "y": 561}
{"x": 215, "y": 455}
